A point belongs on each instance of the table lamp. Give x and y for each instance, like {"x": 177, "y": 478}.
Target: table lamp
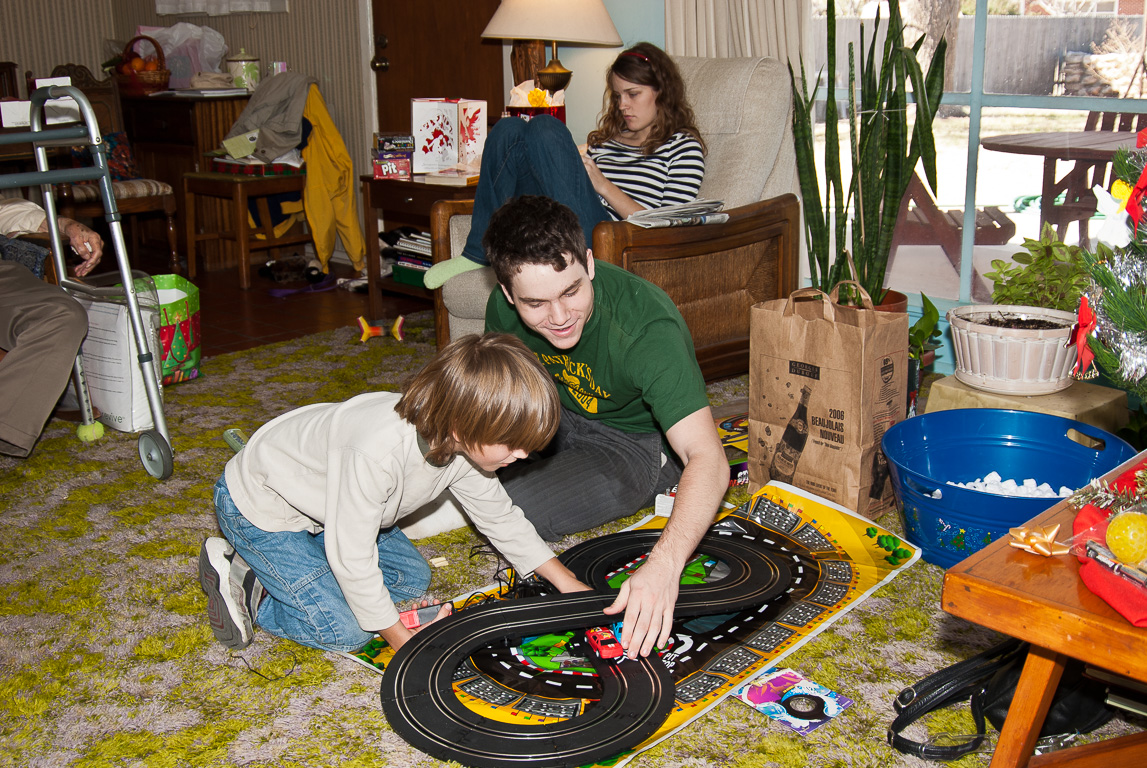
{"x": 565, "y": 21}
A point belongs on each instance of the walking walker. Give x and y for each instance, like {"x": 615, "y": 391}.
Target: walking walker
{"x": 154, "y": 444}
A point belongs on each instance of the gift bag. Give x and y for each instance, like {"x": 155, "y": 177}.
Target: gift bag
{"x": 826, "y": 381}
{"x": 111, "y": 365}
{"x": 179, "y": 328}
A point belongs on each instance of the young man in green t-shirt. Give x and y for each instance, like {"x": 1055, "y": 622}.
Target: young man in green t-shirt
{"x": 635, "y": 415}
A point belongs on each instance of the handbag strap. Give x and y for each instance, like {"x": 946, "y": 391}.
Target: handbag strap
{"x": 947, "y": 686}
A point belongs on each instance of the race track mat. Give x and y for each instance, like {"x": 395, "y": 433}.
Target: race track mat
{"x": 827, "y": 558}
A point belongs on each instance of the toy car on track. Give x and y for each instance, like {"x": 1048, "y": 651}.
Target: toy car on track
{"x": 604, "y": 643}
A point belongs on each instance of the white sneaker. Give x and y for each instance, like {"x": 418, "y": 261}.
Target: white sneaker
{"x": 233, "y": 593}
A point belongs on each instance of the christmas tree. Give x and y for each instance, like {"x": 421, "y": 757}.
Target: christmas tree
{"x": 1113, "y": 314}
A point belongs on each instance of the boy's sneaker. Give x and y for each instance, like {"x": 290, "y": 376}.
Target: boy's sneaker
{"x": 233, "y": 593}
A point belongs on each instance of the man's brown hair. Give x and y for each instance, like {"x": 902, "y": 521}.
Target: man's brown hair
{"x": 532, "y": 229}
{"x": 481, "y": 390}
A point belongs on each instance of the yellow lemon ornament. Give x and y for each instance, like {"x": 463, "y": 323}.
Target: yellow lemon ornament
{"x": 1127, "y": 537}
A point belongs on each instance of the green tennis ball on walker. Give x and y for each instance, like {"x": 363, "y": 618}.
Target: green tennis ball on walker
{"x": 89, "y": 433}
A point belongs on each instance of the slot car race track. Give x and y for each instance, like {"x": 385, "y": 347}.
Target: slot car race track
{"x": 637, "y": 695}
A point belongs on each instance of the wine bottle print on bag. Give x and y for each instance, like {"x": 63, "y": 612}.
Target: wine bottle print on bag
{"x": 791, "y": 445}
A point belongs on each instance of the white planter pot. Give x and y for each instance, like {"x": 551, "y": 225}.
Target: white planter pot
{"x": 1012, "y": 361}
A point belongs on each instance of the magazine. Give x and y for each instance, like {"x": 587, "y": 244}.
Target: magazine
{"x": 700, "y": 211}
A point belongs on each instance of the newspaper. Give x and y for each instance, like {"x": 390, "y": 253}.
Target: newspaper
{"x": 700, "y": 211}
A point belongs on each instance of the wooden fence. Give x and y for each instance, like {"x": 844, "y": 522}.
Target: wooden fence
{"x": 1024, "y": 54}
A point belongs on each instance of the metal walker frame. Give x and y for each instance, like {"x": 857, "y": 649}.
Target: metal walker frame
{"x": 154, "y": 444}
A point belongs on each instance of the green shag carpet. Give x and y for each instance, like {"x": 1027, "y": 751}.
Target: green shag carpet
{"x": 106, "y": 658}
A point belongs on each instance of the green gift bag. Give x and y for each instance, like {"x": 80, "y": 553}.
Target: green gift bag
{"x": 179, "y": 328}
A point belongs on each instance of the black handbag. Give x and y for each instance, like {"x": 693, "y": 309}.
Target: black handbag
{"x": 989, "y": 680}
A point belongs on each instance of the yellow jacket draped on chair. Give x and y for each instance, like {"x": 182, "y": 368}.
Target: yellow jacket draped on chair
{"x": 329, "y": 198}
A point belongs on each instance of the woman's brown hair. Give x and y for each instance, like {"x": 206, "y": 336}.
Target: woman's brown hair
{"x": 481, "y": 390}
{"x": 646, "y": 64}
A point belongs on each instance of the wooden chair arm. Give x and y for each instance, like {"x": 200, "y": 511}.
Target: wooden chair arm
{"x": 440, "y": 214}
{"x": 714, "y": 273}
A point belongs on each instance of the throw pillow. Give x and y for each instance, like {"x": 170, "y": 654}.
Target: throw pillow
{"x": 121, "y": 161}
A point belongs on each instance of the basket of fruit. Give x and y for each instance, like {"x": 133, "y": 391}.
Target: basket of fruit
{"x": 139, "y": 76}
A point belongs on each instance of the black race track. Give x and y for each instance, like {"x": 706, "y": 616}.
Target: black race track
{"x": 420, "y": 704}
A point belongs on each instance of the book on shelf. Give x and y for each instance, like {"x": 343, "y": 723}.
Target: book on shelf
{"x": 201, "y": 92}
{"x": 700, "y": 211}
{"x": 452, "y": 177}
{"x": 414, "y": 263}
{"x": 421, "y": 247}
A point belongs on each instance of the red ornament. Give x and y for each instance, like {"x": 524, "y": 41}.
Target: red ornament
{"x": 1085, "y": 324}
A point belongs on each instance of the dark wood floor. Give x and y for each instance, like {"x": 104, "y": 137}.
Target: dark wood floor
{"x": 233, "y": 319}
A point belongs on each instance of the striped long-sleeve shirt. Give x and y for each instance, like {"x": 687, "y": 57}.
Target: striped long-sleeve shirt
{"x": 671, "y": 174}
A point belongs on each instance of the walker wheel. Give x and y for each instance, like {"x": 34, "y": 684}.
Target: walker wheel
{"x": 156, "y": 455}
{"x": 89, "y": 433}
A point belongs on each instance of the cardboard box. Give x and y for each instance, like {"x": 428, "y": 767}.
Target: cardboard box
{"x": 393, "y": 142}
{"x": 447, "y": 132}
{"x": 392, "y": 165}
{"x": 1092, "y": 404}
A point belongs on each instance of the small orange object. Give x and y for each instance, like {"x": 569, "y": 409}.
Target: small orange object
{"x": 151, "y": 66}
{"x": 137, "y": 64}
{"x": 369, "y": 331}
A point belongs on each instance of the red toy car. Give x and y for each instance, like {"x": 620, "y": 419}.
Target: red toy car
{"x": 604, "y": 643}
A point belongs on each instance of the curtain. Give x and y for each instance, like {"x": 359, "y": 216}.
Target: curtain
{"x": 734, "y": 28}
{"x": 219, "y": 7}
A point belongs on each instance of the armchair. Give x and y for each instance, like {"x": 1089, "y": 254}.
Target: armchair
{"x": 714, "y": 273}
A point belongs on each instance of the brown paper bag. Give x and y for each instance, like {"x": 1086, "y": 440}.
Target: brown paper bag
{"x": 826, "y": 382}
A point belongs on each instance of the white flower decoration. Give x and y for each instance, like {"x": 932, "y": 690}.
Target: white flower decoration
{"x": 1115, "y": 231}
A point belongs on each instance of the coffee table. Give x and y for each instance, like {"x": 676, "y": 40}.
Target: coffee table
{"x": 1043, "y": 601}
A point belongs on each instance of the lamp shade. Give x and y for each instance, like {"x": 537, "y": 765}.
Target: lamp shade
{"x": 566, "y": 21}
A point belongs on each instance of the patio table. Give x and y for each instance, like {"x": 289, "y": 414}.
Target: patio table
{"x": 1086, "y": 148}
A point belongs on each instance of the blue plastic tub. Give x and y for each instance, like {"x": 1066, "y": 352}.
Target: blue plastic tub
{"x": 926, "y": 452}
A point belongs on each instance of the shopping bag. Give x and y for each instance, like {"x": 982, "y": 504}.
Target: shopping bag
{"x": 111, "y": 367}
{"x": 179, "y": 328}
{"x": 826, "y": 381}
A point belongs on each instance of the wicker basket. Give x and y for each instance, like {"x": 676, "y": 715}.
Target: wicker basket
{"x": 143, "y": 82}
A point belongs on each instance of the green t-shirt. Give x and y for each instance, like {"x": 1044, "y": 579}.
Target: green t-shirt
{"x": 634, "y": 366}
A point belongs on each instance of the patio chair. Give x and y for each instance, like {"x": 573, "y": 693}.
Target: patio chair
{"x": 922, "y": 222}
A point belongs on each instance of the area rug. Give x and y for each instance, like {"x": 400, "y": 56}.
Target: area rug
{"x": 106, "y": 658}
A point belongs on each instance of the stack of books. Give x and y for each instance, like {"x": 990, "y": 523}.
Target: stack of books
{"x": 413, "y": 254}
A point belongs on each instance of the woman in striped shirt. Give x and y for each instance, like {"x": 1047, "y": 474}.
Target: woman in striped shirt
{"x": 646, "y": 152}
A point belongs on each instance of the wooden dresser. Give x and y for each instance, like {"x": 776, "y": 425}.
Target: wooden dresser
{"x": 169, "y": 136}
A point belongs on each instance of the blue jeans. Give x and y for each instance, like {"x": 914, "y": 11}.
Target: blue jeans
{"x": 304, "y": 602}
{"x": 531, "y": 157}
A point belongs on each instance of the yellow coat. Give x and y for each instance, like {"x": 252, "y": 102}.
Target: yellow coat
{"x": 330, "y": 198}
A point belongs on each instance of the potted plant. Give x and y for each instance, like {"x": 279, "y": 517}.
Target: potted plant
{"x": 884, "y": 152}
{"x": 1020, "y": 343}
{"x": 922, "y": 344}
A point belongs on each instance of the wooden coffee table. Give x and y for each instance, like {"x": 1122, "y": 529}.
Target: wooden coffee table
{"x": 1043, "y": 601}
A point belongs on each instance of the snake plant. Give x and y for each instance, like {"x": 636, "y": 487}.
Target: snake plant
{"x": 884, "y": 152}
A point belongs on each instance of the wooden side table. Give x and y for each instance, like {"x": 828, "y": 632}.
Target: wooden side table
{"x": 1043, "y": 601}
{"x": 238, "y": 189}
{"x": 402, "y": 203}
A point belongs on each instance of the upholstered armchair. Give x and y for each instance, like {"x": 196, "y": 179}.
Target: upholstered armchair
{"x": 715, "y": 272}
